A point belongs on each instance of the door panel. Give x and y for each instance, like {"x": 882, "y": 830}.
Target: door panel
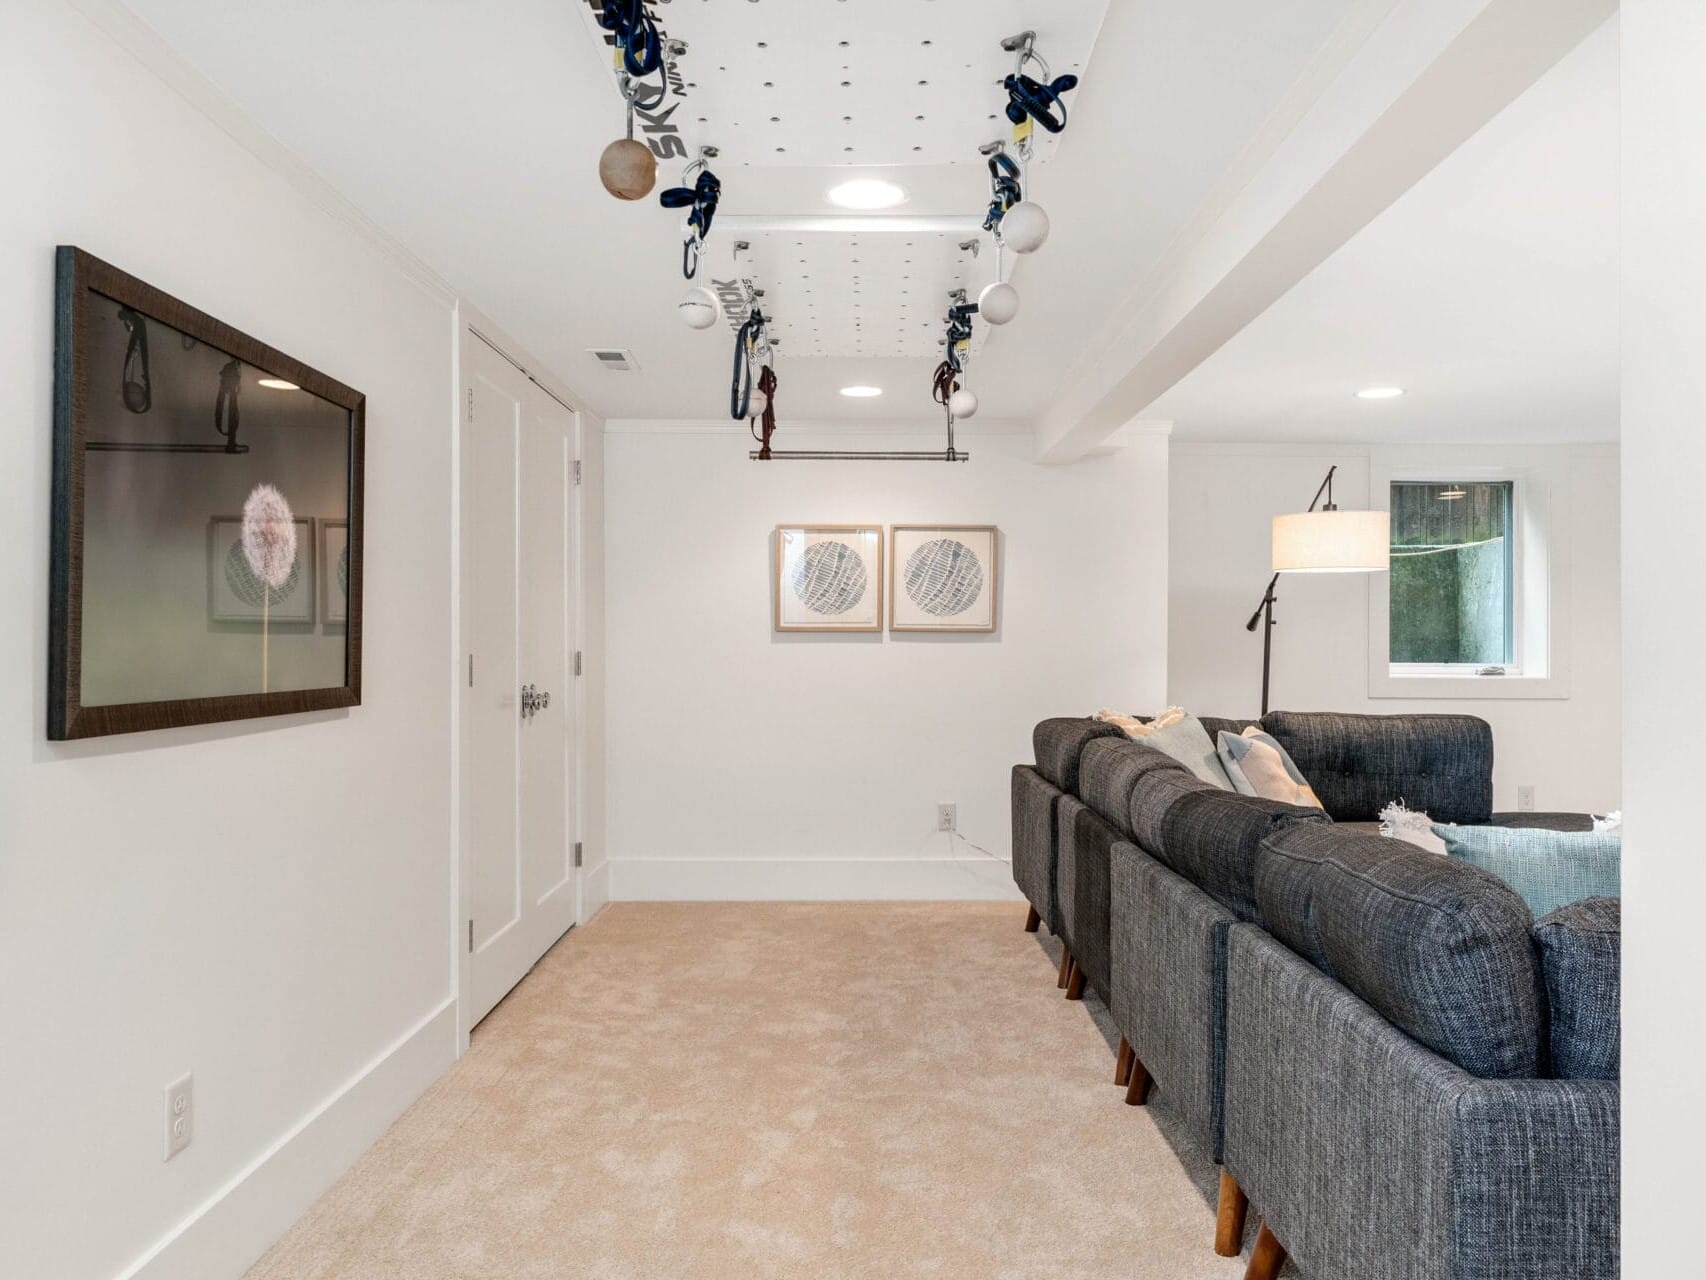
{"x": 490, "y": 599}
{"x": 517, "y": 599}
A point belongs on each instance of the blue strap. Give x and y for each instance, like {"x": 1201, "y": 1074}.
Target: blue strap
{"x": 702, "y": 198}
{"x": 1031, "y": 98}
{"x": 636, "y": 35}
{"x": 1004, "y": 189}
{"x": 740, "y": 391}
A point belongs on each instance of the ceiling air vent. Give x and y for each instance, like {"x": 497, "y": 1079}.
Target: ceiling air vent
{"x": 614, "y": 359}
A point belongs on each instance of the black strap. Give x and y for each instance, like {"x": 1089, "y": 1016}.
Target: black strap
{"x": 635, "y": 34}
{"x": 1004, "y": 191}
{"x": 1031, "y": 98}
{"x": 225, "y": 415}
{"x": 136, "y": 383}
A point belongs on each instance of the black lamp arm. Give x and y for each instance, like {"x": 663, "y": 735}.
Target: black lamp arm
{"x": 1265, "y": 610}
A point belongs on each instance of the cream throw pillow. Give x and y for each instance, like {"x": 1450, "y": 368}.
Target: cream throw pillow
{"x": 1259, "y": 766}
{"x": 1135, "y": 728}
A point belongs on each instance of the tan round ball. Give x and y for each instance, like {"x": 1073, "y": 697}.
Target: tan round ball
{"x": 628, "y": 169}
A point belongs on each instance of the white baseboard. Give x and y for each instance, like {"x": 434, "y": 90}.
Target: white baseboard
{"x": 810, "y": 879}
{"x": 233, "y": 1227}
{"x": 595, "y": 890}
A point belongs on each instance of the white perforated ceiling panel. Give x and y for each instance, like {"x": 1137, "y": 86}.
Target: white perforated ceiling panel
{"x": 890, "y": 82}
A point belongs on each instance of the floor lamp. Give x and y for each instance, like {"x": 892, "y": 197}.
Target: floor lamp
{"x": 1320, "y": 541}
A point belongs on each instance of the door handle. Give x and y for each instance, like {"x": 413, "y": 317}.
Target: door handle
{"x": 533, "y": 701}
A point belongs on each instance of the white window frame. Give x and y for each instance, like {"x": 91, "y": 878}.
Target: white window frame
{"x": 1540, "y": 605}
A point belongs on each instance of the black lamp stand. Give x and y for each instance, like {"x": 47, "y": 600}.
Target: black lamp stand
{"x": 1264, "y": 615}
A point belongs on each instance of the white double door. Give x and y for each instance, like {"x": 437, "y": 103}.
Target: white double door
{"x": 521, "y": 889}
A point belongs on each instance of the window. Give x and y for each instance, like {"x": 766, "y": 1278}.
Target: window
{"x": 1452, "y": 595}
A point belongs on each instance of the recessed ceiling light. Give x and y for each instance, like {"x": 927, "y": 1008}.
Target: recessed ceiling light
{"x": 861, "y": 393}
{"x": 1380, "y": 393}
{"x": 866, "y": 193}
{"x": 277, "y": 384}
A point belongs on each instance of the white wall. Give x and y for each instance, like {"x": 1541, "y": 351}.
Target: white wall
{"x": 1664, "y": 618}
{"x": 745, "y": 764}
{"x": 264, "y": 903}
{"x": 1224, "y": 499}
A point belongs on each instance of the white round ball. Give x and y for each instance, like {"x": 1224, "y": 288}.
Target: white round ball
{"x": 1024, "y": 227}
{"x": 699, "y": 308}
{"x": 756, "y": 406}
{"x": 963, "y": 403}
{"x": 998, "y": 303}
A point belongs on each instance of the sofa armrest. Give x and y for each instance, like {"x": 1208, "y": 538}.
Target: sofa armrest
{"x": 1370, "y": 1156}
{"x": 1547, "y": 821}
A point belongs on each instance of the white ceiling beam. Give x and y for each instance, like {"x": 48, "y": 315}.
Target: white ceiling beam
{"x": 1381, "y": 108}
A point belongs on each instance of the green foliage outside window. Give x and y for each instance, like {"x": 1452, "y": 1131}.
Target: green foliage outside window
{"x": 1451, "y": 592}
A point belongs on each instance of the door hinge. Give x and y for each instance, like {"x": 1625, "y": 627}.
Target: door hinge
{"x": 577, "y": 470}
{"x": 577, "y": 853}
{"x": 470, "y": 670}
{"x": 577, "y": 662}
{"x": 470, "y": 934}
{"x": 470, "y": 404}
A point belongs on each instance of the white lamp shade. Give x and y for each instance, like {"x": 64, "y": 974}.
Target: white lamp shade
{"x": 1332, "y": 542}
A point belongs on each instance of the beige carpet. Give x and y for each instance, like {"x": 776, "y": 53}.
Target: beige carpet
{"x": 725, "y": 1090}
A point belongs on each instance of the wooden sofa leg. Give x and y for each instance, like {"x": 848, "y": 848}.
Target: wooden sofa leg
{"x": 1065, "y": 967}
{"x": 1122, "y": 1064}
{"x": 1137, "y": 1087}
{"x": 1229, "y": 1221}
{"x": 1266, "y": 1258}
{"x": 1075, "y": 983}
{"x": 1032, "y": 921}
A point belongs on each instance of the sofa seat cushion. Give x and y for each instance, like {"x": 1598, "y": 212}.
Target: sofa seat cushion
{"x": 1581, "y": 948}
{"x": 1550, "y": 869}
{"x": 1108, "y": 770}
{"x": 1442, "y": 765}
{"x": 1058, "y": 743}
{"x": 1211, "y": 836}
{"x": 1440, "y": 948}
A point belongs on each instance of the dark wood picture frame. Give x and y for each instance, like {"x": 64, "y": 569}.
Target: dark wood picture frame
{"x": 80, "y": 279}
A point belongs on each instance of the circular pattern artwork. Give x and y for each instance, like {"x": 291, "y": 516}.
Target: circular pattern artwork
{"x": 246, "y": 584}
{"x": 943, "y": 577}
{"x": 829, "y": 578}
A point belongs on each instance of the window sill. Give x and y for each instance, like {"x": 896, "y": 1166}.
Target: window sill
{"x": 1452, "y": 687}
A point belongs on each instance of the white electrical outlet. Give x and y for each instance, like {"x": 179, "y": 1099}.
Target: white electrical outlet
{"x": 180, "y": 1115}
{"x": 1525, "y": 799}
{"x": 947, "y": 817}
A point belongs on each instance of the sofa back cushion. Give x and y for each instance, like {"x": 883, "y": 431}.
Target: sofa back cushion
{"x": 1440, "y": 765}
{"x": 1287, "y": 871}
{"x": 1059, "y": 742}
{"x": 1108, "y": 770}
{"x": 1440, "y": 948}
{"x": 1581, "y": 949}
{"x": 1153, "y": 797}
{"x": 1211, "y": 836}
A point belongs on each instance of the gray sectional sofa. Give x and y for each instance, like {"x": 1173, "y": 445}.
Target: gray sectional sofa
{"x": 1404, "y": 1073}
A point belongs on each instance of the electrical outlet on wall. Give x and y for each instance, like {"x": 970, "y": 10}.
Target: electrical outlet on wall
{"x": 1525, "y": 799}
{"x": 180, "y": 1115}
{"x": 947, "y": 817}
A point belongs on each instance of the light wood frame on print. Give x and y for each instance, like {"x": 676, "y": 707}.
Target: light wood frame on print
{"x": 780, "y": 585}
{"x": 994, "y": 567}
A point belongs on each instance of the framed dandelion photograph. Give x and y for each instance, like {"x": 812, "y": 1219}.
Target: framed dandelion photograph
{"x": 829, "y": 577}
{"x": 943, "y": 577}
{"x": 193, "y": 468}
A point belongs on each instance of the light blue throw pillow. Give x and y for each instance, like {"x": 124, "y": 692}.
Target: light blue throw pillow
{"x": 1548, "y": 869}
{"x": 1187, "y": 742}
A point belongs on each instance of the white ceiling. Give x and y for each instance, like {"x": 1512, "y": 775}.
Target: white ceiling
{"x": 472, "y": 133}
{"x": 1488, "y": 291}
